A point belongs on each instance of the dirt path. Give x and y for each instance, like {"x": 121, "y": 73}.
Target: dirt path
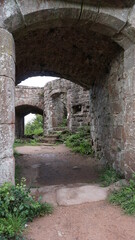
{"x": 93, "y": 221}
{"x": 90, "y": 221}
{"x": 55, "y": 165}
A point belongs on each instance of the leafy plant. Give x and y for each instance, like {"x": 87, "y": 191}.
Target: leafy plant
{"x": 17, "y": 207}
{"x": 108, "y": 176}
{"x": 125, "y": 197}
{"x": 12, "y": 226}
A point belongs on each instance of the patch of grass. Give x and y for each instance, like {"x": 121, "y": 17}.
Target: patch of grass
{"x": 16, "y": 208}
{"x": 64, "y": 123}
{"x": 125, "y": 197}
{"x": 80, "y": 141}
{"x": 63, "y": 136}
{"x": 16, "y": 154}
{"x": 17, "y": 173}
{"x": 108, "y": 176}
{"x": 23, "y": 142}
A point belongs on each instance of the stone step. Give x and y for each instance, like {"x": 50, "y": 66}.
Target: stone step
{"x": 51, "y": 139}
{"x": 52, "y": 136}
{"x": 57, "y": 129}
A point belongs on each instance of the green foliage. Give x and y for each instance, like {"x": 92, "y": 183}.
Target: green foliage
{"x": 17, "y": 173}
{"x": 12, "y": 226}
{"x": 23, "y": 142}
{"x": 16, "y": 208}
{"x": 125, "y": 197}
{"x": 16, "y": 154}
{"x": 80, "y": 141}
{"x": 64, "y": 123}
{"x": 35, "y": 127}
{"x": 108, "y": 176}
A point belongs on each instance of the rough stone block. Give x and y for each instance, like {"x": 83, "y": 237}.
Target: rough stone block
{"x": 7, "y": 111}
{"x": 7, "y": 170}
{"x": 7, "y": 45}
{"x": 7, "y": 66}
{"x": 113, "y": 19}
{"x": 6, "y": 140}
{"x": 10, "y": 15}
{"x": 116, "y": 107}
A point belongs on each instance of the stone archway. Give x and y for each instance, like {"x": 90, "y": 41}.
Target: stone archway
{"x": 20, "y": 112}
{"x": 88, "y": 43}
{"x": 27, "y": 100}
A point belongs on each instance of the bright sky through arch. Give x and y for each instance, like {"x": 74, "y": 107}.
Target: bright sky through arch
{"x": 37, "y": 81}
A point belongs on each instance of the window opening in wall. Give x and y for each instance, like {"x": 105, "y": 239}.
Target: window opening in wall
{"x": 77, "y": 108}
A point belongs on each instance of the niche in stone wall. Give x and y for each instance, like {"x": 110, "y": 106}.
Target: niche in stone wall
{"x": 77, "y": 108}
{"x": 59, "y": 109}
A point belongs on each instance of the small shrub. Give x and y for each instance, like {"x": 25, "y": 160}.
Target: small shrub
{"x": 108, "y": 176}
{"x": 125, "y": 197}
{"x": 16, "y": 208}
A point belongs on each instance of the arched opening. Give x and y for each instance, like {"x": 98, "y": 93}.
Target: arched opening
{"x": 20, "y": 113}
{"x": 84, "y": 56}
{"x": 89, "y": 44}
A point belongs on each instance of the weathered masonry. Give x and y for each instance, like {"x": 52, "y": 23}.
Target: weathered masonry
{"x": 65, "y": 100}
{"x": 27, "y": 100}
{"x": 89, "y": 42}
{"x": 59, "y": 100}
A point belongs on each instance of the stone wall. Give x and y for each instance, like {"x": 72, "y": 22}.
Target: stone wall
{"x": 32, "y": 96}
{"x": 79, "y": 107}
{"x": 112, "y": 127}
{"x": 64, "y": 99}
{"x": 78, "y": 41}
{"x": 27, "y": 100}
{"x": 58, "y": 101}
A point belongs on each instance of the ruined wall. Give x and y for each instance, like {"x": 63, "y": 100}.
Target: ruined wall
{"x": 27, "y": 100}
{"x": 79, "y": 107}
{"x": 75, "y": 40}
{"x": 59, "y": 100}
{"x": 111, "y": 116}
{"x": 32, "y": 96}
{"x": 62, "y": 98}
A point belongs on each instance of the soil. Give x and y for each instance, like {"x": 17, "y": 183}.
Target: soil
{"x": 55, "y": 165}
{"x": 93, "y": 221}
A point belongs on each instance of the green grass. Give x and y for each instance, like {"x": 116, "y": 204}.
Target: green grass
{"x": 125, "y": 197}
{"x": 17, "y": 174}
{"x": 16, "y": 154}
{"x": 80, "y": 141}
{"x": 64, "y": 123}
{"x": 108, "y": 176}
{"x": 23, "y": 142}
